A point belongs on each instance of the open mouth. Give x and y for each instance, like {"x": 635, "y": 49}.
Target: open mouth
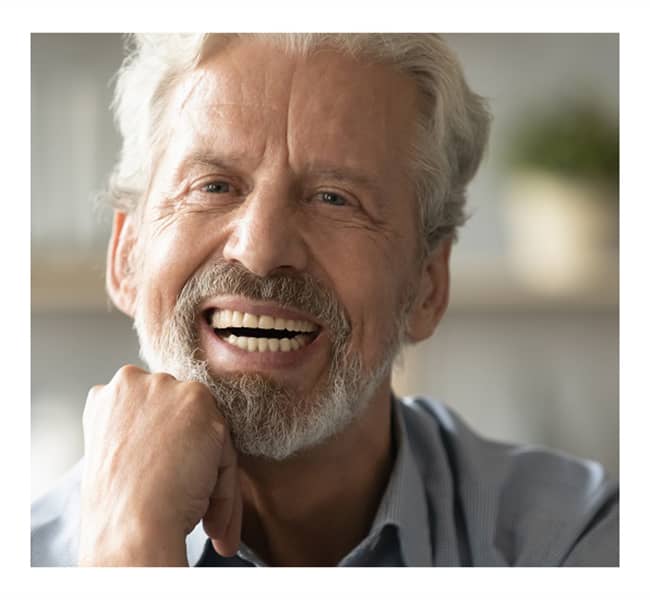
{"x": 261, "y": 333}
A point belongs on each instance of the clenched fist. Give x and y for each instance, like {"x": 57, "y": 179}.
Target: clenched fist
{"x": 158, "y": 459}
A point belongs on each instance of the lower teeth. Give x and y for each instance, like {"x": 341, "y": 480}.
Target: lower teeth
{"x": 253, "y": 344}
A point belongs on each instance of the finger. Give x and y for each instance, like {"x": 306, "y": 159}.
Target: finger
{"x": 222, "y": 499}
{"x": 230, "y": 542}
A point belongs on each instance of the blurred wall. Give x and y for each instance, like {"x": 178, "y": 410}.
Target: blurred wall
{"x": 517, "y": 364}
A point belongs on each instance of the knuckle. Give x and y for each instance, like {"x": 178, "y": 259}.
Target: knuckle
{"x": 93, "y": 392}
{"x": 196, "y": 393}
{"x": 223, "y": 431}
{"x": 160, "y": 379}
{"x": 196, "y": 389}
{"x": 126, "y": 373}
{"x": 198, "y": 401}
{"x": 219, "y": 426}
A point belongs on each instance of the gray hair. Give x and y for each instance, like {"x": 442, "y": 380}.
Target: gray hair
{"x": 452, "y": 127}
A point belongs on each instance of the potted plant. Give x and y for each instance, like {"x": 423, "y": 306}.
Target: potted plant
{"x": 562, "y": 199}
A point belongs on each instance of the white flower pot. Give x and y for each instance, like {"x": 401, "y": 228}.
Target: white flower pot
{"x": 563, "y": 232}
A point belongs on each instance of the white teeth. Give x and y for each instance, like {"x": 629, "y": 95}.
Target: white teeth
{"x": 223, "y": 319}
{"x": 234, "y": 319}
{"x": 249, "y": 320}
{"x": 252, "y": 344}
{"x": 266, "y": 322}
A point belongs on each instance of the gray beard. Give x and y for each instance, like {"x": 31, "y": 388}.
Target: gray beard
{"x": 266, "y": 418}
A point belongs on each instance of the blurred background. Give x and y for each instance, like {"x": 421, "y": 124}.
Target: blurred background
{"x": 528, "y": 351}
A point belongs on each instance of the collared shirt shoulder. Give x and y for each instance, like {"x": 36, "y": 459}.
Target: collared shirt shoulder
{"x": 495, "y": 504}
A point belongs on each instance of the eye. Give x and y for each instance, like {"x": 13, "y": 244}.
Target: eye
{"x": 332, "y": 198}
{"x": 217, "y": 187}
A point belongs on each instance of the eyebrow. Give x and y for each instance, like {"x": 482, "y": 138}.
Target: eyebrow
{"x": 324, "y": 170}
{"x": 210, "y": 159}
{"x": 343, "y": 174}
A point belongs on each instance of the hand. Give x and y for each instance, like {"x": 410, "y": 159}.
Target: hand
{"x": 158, "y": 459}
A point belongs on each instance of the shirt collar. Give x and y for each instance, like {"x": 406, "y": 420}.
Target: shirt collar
{"x": 404, "y": 501}
{"x": 403, "y": 505}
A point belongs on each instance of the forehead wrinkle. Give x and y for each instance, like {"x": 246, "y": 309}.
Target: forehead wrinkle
{"x": 195, "y": 81}
{"x": 288, "y": 118}
{"x": 229, "y": 75}
{"x": 227, "y": 96}
{"x": 221, "y": 134}
{"x": 214, "y": 88}
{"x": 333, "y": 118}
{"x": 247, "y": 119}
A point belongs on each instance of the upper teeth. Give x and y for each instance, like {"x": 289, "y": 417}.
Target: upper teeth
{"x": 222, "y": 319}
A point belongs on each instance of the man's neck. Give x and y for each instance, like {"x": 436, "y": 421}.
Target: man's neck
{"x": 314, "y": 508}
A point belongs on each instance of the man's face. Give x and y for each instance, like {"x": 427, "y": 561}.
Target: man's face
{"x": 288, "y": 170}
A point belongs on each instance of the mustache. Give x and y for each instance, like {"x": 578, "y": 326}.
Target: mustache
{"x": 289, "y": 289}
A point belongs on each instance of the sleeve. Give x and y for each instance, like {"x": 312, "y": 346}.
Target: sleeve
{"x": 598, "y": 546}
{"x": 55, "y": 523}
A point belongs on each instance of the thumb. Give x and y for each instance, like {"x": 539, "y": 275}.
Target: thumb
{"x": 222, "y": 520}
{"x": 228, "y": 543}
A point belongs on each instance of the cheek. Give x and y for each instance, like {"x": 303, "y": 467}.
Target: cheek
{"x": 174, "y": 252}
{"x": 369, "y": 279}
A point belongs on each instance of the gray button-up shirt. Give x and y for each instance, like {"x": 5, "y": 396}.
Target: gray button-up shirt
{"x": 453, "y": 499}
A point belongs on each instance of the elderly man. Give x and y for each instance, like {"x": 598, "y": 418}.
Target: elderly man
{"x": 285, "y": 207}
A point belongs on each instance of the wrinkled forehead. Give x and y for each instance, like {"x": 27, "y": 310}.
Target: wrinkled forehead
{"x": 325, "y": 102}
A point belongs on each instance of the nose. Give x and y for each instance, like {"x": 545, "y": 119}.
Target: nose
{"x": 265, "y": 234}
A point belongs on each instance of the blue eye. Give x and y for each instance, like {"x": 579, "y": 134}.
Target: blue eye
{"x": 217, "y": 187}
{"x": 333, "y": 199}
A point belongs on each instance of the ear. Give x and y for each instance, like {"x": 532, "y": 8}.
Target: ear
{"x": 120, "y": 276}
{"x": 433, "y": 294}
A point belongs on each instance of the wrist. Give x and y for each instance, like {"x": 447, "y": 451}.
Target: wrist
{"x": 132, "y": 547}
